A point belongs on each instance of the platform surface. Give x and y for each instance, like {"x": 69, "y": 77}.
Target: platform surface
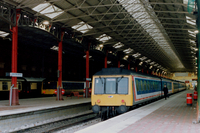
{"x": 163, "y": 116}
{"x": 34, "y": 104}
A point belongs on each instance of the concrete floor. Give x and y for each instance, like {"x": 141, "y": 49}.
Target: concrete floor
{"x": 164, "y": 116}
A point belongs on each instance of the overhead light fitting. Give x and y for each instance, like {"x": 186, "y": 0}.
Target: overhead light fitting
{"x": 46, "y": 22}
{"x": 196, "y": 31}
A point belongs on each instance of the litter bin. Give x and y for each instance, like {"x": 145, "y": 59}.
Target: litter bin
{"x": 195, "y": 95}
{"x": 189, "y": 99}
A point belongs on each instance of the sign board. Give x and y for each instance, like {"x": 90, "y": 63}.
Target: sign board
{"x": 187, "y": 81}
{"x": 88, "y": 79}
{"x": 16, "y": 75}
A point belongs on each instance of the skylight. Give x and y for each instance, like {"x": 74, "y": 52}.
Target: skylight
{"x": 192, "y": 41}
{"x": 129, "y": 50}
{"x": 190, "y": 20}
{"x": 143, "y": 58}
{"x": 152, "y": 63}
{"x": 82, "y": 27}
{"x": 3, "y": 34}
{"x": 156, "y": 64}
{"x": 48, "y": 10}
{"x": 190, "y": 31}
{"x": 192, "y": 35}
{"x": 118, "y": 45}
{"x": 147, "y": 61}
{"x": 144, "y": 14}
{"x": 103, "y": 38}
{"x": 136, "y": 55}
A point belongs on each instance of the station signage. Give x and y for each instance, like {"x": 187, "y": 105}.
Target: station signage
{"x": 16, "y": 75}
{"x": 88, "y": 79}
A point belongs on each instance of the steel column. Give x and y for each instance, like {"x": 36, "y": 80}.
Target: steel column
{"x": 119, "y": 64}
{"x": 59, "y": 92}
{"x": 14, "y": 94}
{"x": 87, "y": 70}
{"x": 106, "y": 57}
{"x": 129, "y": 66}
{"x": 198, "y": 60}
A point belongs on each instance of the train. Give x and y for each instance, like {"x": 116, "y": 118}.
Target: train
{"x": 38, "y": 87}
{"x": 49, "y": 87}
{"x": 28, "y": 87}
{"x": 116, "y": 90}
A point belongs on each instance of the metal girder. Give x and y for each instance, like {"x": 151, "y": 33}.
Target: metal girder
{"x": 8, "y": 13}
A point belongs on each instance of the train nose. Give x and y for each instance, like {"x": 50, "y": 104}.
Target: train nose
{"x": 121, "y": 109}
{"x": 96, "y": 109}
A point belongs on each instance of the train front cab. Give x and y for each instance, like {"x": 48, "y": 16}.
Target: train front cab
{"x": 114, "y": 92}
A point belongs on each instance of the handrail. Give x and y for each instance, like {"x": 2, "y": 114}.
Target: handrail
{"x": 11, "y": 94}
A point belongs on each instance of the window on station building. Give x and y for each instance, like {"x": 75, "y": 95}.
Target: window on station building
{"x": 48, "y": 10}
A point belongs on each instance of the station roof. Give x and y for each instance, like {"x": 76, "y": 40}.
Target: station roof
{"x": 158, "y": 32}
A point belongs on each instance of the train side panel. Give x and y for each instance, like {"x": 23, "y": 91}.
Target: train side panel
{"x": 146, "y": 88}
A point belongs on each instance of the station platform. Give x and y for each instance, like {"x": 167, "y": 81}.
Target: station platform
{"x": 35, "y": 104}
{"x": 163, "y": 116}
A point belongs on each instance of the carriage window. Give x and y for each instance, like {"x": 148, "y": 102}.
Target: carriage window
{"x": 4, "y": 85}
{"x": 99, "y": 86}
{"x": 19, "y": 85}
{"x": 110, "y": 85}
{"x": 123, "y": 86}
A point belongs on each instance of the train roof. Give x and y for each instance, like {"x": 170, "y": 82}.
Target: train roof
{"x": 120, "y": 71}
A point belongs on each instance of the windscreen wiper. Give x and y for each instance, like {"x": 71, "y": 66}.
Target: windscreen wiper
{"x": 101, "y": 79}
{"x": 120, "y": 79}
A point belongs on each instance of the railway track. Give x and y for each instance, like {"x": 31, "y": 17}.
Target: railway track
{"x": 60, "y": 124}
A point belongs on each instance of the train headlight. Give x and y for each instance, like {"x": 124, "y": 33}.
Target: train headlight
{"x": 98, "y": 101}
{"x": 95, "y": 109}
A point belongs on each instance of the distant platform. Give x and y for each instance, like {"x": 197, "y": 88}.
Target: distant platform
{"x": 163, "y": 116}
{"x": 35, "y": 104}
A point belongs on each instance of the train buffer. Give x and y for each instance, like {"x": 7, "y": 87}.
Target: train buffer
{"x": 76, "y": 94}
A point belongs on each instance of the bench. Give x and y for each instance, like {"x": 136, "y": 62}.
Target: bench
{"x": 76, "y": 94}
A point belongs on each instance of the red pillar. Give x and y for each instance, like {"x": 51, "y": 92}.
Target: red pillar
{"x": 105, "y": 63}
{"x": 142, "y": 70}
{"x": 14, "y": 30}
{"x": 119, "y": 64}
{"x": 136, "y": 69}
{"x": 87, "y": 67}
{"x": 129, "y": 66}
{"x": 60, "y": 69}
{"x": 147, "y": 72}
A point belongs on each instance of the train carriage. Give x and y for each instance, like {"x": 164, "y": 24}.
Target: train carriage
{"x": 117, "y": 89}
